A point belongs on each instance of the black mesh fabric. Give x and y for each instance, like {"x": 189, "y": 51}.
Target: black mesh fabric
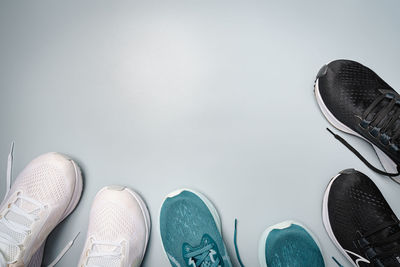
{"x": 348, "y": 88}
{"x": 355, "y": 207}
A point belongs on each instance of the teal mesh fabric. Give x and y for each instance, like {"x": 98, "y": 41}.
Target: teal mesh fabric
{"x": 292, "y": 246}
{"x": 189, "y": 233}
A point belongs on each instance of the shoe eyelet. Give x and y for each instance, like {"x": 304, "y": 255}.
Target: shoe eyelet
{"x": 364, "y": 124}
{"x": 375, "y": 132}
{"x": 390, "y": 95}
{"x": 384, "y": 139}
{"x": 394, "y": 147}
{"x": 370, "y": 253}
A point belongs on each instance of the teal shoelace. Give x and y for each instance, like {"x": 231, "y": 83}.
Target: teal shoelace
{"x": 236, "y": 246}
{"x": 337, "y": 262}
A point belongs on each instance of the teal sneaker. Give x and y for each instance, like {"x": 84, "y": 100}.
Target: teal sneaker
{"x": 289, "y": 244}
{"x": 191, "y": 231}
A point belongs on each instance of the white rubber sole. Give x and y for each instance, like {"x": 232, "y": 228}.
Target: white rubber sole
{"x": 203, "y": 198}
{"x": 388, "y": 164}
{"x": 282, "y": 225}
{"x": 146, "y": 215}
{"x": 37, "y": 258}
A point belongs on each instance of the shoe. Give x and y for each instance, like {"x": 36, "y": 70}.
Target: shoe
{"x": 191, "y": 231}
{"x": 43, "y": 195}
{"x": 360, "y": 222}
{"x": 119, "y": 229}
{"x": 289, "y": 244}
{"x": 354, "y": 99}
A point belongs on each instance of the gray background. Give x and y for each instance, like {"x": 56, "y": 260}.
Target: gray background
{"x": 212, "y": 95}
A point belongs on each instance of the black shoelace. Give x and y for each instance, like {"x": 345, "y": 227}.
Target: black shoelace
{"x": 358, "y": 154}
{"x": 383, "y": 248}
{"x": 381, "y": 126}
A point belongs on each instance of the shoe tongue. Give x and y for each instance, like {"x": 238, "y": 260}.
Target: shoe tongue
{"x": 10, "y": 252}
{"x": 106, "y": 261}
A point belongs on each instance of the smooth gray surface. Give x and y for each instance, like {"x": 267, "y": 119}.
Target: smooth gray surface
{"x": 211, "y": 95}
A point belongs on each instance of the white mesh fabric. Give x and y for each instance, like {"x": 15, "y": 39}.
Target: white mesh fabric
{"x": 115, "y": 217}
{"x": 45, "y": 182}
{"x": 111, "y": 221}
{"x": 9, "y": 252}
{"x": 48, "y": 179}
{"x": 105, "y": 261}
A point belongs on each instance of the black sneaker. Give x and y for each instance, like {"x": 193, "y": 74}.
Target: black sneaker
{"x": 360, "y": 222}
{"x": 356, "y": 100}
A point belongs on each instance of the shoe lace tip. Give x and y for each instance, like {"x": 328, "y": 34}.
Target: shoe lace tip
{"x": 330, "y": 131}
{"x": 236, "y": 246}
{"x": 337, "y": 262}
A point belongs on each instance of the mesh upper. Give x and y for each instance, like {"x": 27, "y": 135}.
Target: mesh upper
{"x": 347, "y": 89}
{"x": 118, "y": 221}
{"x": 49, "y": 179}
{"x": 356, "y": 207}
{"x": 115, "y": 217}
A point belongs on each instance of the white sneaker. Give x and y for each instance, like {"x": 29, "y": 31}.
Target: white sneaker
{"x": 44, "y": 194}
{"x": 119, "y": 228}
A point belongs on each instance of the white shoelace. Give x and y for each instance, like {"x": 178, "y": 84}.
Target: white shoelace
{"x": 96, "y": 252}
{"x": 9, "y": 168}
{"x": 22, "y": 230}
{"x": 64, "y": 251}
{"x": 18, "y": 228}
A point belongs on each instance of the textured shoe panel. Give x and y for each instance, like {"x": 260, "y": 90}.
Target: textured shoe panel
{"x": 355, "y": 204}
{"x": 116, "y": 216}
{"x": 348, "y": 88}
{"x": 50, "y": 179}
{"x": 109, "y": 221}
{"x": 292, "y": 246}
{"x": 185, "y": 219}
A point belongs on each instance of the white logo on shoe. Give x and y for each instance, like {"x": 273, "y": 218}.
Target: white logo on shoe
{"x": 360, "y": 259}
{"x": 191, "y": 262}
{"x": 212, "y": 253}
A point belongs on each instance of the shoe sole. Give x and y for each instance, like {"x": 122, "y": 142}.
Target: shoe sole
{"x": 37, "y": 258}
{"x": 388, "y": 164}
{"x": 261, "y": 244}
{"x": 203, "y": 198}
{"x": 146, "y": 215}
